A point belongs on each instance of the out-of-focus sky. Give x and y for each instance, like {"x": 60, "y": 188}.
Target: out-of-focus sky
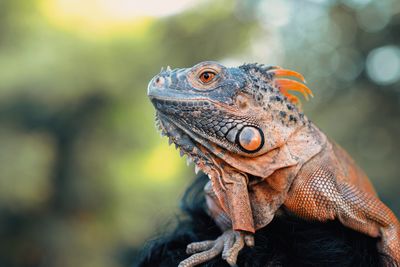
{"x": 106, "y": 16}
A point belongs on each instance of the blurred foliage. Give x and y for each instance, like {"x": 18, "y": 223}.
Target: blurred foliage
{"x": 84, "y": 176}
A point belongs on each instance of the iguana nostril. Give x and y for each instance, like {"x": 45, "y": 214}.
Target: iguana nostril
{"x": 159, "y": 81}
{"x": 250, "y": 139}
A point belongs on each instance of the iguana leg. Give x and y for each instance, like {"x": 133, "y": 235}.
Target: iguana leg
{"x": 366, "y": 213}
{"x": 228, "y": 244}
{"x": 321, "y": 196}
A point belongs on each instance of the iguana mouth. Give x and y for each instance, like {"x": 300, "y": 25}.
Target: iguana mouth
{"x": 210, "y": 123}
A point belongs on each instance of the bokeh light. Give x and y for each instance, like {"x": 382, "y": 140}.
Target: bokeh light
{"x": 274, "y": 13}
{"x": 383, "y": 65}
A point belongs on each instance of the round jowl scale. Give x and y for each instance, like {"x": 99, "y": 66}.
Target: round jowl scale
{"x": 250, "y": 139}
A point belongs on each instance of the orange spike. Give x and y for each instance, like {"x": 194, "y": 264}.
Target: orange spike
{"x": 283, "y": 72}
{"x": 286, "y": 84}
{"x": 292, "y": 98}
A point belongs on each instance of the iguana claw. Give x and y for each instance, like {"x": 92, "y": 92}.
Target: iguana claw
{"x": 228, "y": 245}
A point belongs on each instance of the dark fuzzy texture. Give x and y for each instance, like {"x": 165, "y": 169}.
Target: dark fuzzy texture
{"x": 286, "y": 241}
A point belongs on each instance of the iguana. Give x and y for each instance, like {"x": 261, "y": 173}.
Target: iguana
{"x": 244, "y": 129}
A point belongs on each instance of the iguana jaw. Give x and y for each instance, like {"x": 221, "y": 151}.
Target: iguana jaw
{"x": 208, "y": 156}
{"x": 186, "y": 144}
{"x": 211, "y": 122}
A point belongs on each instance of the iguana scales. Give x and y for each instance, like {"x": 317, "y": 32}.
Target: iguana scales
{"x": 243, "y": 128}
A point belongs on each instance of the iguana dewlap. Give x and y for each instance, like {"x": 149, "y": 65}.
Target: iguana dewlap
{"x": 241, "y": 126}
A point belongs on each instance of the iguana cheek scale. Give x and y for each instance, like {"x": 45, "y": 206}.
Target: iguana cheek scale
{"x": 242, "y": 127}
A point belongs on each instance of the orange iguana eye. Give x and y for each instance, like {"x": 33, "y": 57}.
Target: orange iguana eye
{"x": 207, "y": 76}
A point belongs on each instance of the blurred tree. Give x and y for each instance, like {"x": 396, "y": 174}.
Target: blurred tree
{"x": 78, "y": 103}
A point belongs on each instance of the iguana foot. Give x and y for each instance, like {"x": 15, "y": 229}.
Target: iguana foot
{"x": 228, "y": 244}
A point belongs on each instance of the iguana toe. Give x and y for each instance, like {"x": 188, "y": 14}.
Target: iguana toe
{"x": 228, "y": 244}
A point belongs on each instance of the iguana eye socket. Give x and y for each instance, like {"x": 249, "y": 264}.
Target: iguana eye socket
{"x": 207, "y": 76}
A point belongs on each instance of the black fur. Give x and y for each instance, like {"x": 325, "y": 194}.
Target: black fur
{"x": 286, "y": 241}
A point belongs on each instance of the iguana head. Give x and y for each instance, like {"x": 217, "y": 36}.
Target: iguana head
{"x": 232, "y": 114}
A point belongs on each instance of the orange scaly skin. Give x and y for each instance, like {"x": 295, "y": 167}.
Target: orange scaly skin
{"x": 239, "y": 126}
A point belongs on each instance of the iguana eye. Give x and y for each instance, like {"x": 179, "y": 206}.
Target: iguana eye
{"x": 207, "y": 76}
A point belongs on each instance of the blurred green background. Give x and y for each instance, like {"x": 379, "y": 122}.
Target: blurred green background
{"x": 85, "y": 178}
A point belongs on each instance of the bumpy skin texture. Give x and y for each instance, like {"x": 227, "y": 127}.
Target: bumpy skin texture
{"x": 263, "y": 156}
